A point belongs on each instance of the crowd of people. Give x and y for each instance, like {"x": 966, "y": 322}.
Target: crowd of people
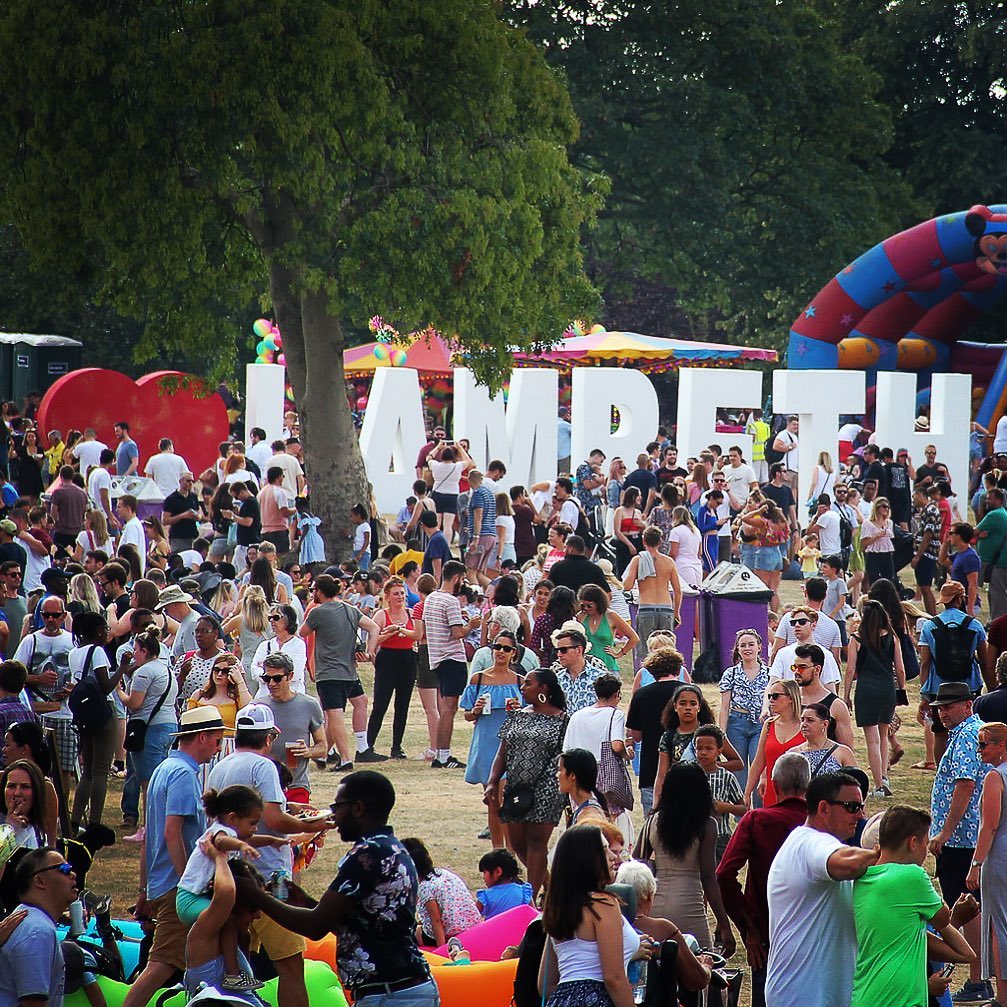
{"x": 202, "y": 661}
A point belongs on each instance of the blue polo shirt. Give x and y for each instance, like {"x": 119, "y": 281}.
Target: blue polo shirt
{"x": 174, "y": 789}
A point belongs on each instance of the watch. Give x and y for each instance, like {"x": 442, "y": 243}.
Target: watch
{"x": 977, "y": 863}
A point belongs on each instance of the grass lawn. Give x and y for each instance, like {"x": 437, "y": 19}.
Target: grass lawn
{"x": 448, "y": 814}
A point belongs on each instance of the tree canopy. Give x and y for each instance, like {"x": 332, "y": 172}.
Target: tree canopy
{"x": 348, "y": 158}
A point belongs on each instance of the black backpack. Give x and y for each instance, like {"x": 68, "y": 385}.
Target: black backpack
{"x": 87, "y": 701}
{"x": 532, "y": 945}
{"x": 845, "y": 532}
{"x": 954, "y": 646}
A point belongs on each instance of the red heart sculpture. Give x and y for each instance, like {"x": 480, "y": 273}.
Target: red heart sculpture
{"x": 95, "y": 397}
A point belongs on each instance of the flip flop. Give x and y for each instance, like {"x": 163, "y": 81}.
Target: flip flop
{"x": 924, "y": 765}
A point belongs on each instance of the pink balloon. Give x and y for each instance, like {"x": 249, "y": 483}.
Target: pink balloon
{"x": 362, "y": 403}
{"x": 282, "y": 358}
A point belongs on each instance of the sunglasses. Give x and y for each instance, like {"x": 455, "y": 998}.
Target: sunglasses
{"x": 273, "y": 678}
{"x": 799, "y": 622}
{"x": 502, "y": 646}
{"x": 801, "y": 667}
{"x": 983, "y": 744}
{"x": 222, "y": 669}
{"x": 774, "y": 695}
{"x": 853, "y": 807}
{"x": 52, "y": 615}
{"x": 275, "y": 618}
{"x": 65, "y": 869}
{"x": 563, "y": 650}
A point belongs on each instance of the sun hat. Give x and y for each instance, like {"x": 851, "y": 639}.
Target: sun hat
{"x": 171, "y": 595}
{"x": 951, "y": 692}
{"x": 199, "y": 718}
{"x": 951, "y": 592}
{"x": 255, "y": 717}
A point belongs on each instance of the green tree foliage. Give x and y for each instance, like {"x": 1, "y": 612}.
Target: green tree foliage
{"x": 405, "y": 158}
{"x": 743, "y": 143}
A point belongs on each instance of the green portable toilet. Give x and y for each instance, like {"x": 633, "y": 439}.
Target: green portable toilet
{"x": 30, "y": 362}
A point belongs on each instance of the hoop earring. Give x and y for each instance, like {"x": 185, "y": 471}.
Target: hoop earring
{"x": 542, "y": 697}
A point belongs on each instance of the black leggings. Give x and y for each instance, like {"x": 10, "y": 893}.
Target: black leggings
{"x": 878, "y": 565}
{"x": 394, "y": 673}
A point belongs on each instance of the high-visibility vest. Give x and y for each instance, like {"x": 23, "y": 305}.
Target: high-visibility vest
{"x": 759, "y": 429}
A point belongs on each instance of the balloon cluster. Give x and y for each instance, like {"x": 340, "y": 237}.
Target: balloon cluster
{"x": 437, "y": 392}
{"x": 385, "y": 335}
{"x": 267, "y": 349}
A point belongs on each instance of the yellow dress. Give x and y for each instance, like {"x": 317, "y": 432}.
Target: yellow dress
{"x": 228, "y": 712}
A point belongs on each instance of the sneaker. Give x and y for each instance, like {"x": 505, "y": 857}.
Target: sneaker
{"x": 449, "y": 763}
{"x": 241, "y": 983}
{"x": 342, "y": 767}
{"x": 320, "y": 763}
{"x": 137, "y": 836}
{"x": 882, "y": 792}
{"x": 332, "y": 759}
{"x": 485, "y": 834}
{"x": 979, "y": 992}
{"x": 369, "y": 755}
{"x": 397, "y": 753}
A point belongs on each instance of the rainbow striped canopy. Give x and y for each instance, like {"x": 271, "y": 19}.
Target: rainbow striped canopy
{"x": 645, "y": 353}
{"x": 430, "y": 355}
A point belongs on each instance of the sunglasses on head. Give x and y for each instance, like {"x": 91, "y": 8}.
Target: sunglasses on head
{"x": 273, "y": 678}
{"x": 503, "y": 646}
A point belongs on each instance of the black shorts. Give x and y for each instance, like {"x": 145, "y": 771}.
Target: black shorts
{"x": 445, "y": 503}
{"x": 953, "y": 864}
{"x": 452, "y": 677}
{"x": 333, "y": 695}
{"x": 926, "y": 568}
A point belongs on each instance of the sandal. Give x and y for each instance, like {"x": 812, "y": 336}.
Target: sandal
{"x": 924, "y": 765}
{"x": 896, "y": 756}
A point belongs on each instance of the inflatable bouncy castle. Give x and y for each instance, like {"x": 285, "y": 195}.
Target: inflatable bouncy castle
{"x": 904, "y": 304}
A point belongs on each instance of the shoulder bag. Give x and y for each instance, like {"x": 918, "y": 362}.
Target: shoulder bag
{"x": 136, "y": 727}
{"x": 613, "y": 774}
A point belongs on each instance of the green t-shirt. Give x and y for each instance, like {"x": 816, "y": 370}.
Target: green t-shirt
{"x": 992, "y": 547}
{"x": 892, "y": 904}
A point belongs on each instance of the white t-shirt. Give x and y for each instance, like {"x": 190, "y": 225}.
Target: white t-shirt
{"x": 447, "y": 475}
{"x": 493, "y": 485}
{"x": 99, "y": 479}
{"x": 785, "y": 658}
{"x": 589, "y": 729}
{"x": 87, "y": 542}
{"x": 88, "y": 453}
{"x": 260, "y": 454}
{"x": 690, "y": 566}
{"x": 827, "y": 526}
{"x": 291, "y": 471}
{"x": 812, "y": 937}
{"x": 739, "y": 481}
{"x": 34, "y": 567}
{"x": 166, "y": 469}
{"x": 200, "y": 868}
{"x": 241, "y": 476}
{"x": 569, "y": 513}
{"x": 505, "y": 529}
{"x": 192, "y": 559}
{"x": 542, "y": 499}
{"x": 132, "y": 532}
{"x": 826, "y": 631}
{"x": 850, "y": 432}
{"x": 790, "y": 460}
{"x": 38, "y": 652}
{"x": 1000, "y": 435}
{"x": 360, "y": 535}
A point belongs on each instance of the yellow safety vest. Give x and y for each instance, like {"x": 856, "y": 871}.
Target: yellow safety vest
{"x": 759, "y": 429}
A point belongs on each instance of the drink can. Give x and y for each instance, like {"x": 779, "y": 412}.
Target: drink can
{"x": 8, "y": 843}
{"x": 76, "y": 918}
{"x": 280, "y": 889}
{"x": 488, "y": 705}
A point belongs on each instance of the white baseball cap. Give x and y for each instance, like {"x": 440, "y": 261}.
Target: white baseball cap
{"x": 255, "y": 717}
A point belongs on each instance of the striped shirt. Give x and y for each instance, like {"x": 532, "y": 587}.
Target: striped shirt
{"x": 725, "y": 787}
{"x": 441, "y": 611}
{"x": 484, "y": 499}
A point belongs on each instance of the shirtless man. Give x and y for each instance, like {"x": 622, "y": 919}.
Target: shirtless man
{"x": 660, "y": 589}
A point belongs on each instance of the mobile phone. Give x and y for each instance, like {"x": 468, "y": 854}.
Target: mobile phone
{"x": 948, "y": 971}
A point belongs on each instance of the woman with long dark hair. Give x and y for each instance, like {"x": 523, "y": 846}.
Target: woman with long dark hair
{"x": 590, "y": 942}
{"x": 884, "y": 591}
{"x": 681, "y": 838}
{"x": 875, "y": 660}
{"x": 627, "y": 527}
{"x": 263, "y": 575}
{"x": 560, "y": 608}
{"x": 577, "y": 777}
{"x": 23, "y": 804}
{"x": 444, "y": 905}
{"x": 531, "y": 740}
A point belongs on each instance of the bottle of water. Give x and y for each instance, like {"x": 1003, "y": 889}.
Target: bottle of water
{"x": 280, "y": 889}
{"x": 640, "y": 986}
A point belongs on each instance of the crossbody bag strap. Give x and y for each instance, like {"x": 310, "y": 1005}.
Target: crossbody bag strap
{"x": 824, "y": 760}
{"x": 164, "y": 696}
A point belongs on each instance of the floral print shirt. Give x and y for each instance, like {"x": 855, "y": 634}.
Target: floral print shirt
{"x": 579, "y": 691}
{"x": 959, "y": 762}
{"x": 746, "y": 694}
{"x": 377, "y": 942}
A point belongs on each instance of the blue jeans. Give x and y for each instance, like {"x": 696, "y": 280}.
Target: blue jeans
{"x": 424, "y": 995}
{"x": 744, "y": 735}
{"x": 647, "y": 799}
{"x": 130, "y": 800}
{"x": 155, "y": 751}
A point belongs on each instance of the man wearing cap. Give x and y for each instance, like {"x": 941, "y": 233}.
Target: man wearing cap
{"x": 46, "y": 655}
{"x": 298, "y": 718}
{"x": 9, "y": 549}
{"x": 954, "y": 807}
{"x": 251, "y": 764}
{"x": 176, "y": 604}
{"x": 932, "y": 653}
{"x": 175, "y": 822}
{"x": 574, "y": 668}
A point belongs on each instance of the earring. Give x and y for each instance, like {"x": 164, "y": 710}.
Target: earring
{"x": 542, "y": 697}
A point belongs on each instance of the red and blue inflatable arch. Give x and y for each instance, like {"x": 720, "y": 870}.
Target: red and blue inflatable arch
{"x": 904, "y": 304}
